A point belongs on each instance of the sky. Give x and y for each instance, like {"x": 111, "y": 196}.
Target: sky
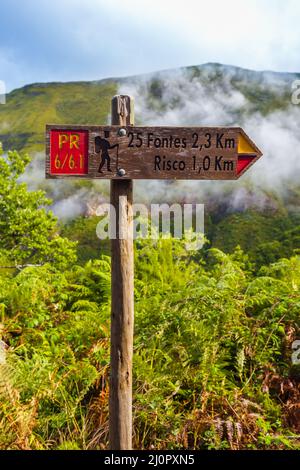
{"x": 68, "y": 40}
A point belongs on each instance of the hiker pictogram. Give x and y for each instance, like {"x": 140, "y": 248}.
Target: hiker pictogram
{"x": 102, "y": 145}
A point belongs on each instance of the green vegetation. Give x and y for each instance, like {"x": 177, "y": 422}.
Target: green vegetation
{"x": 213, "y": 336}
{"x": 265, "y": 237}
{"x": 29, "y": 109}
{"x": 83, "y": 230}
{"x": 213, "y": 328}
{"x": 28, "y": 234}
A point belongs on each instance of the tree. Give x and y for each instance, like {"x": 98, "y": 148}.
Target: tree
{"x": 28, "y": 232}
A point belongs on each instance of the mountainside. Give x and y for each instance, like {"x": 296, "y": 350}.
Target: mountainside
{"x": 28, "y": 109}
{"x": 209, "y": 94}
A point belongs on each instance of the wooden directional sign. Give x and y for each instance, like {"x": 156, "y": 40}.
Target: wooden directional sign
{"x": 130, "y": 152}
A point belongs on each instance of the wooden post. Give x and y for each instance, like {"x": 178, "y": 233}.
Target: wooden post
{"x": 122, "y": 306}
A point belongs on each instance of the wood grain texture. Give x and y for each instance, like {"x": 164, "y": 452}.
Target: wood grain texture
{"x": 163, "y": 152}
{"x": 122, "y": 303}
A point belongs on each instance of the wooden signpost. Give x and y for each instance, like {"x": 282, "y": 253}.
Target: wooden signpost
{"x": 123, "y": 152}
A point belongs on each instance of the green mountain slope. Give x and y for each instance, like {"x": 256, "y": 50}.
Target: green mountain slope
{"x": 260, "y": 212}
{"x": 28, "y": 109}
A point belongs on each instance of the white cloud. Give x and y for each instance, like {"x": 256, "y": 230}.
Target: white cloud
{"x": 276, "y": 134}
{"x": 45, "y": 40}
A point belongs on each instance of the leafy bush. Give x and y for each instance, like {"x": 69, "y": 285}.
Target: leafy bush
{"x": 212, "y": 350}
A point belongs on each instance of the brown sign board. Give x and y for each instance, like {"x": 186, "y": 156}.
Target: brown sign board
{"x": 134, "y": 152}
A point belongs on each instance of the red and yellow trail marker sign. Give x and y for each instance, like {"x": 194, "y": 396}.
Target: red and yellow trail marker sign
{"x": 68, "y": 152}
{"x": 130, "y": 152}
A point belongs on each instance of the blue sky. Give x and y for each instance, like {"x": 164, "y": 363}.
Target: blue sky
{"x": 62, "y": 40}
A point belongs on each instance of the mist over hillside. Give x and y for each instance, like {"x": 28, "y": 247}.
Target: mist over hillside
{"x": 206, "y": 95}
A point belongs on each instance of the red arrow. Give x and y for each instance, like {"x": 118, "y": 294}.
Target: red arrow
{"x": 248, "y": 153}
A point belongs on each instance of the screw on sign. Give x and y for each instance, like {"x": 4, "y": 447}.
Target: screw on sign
{"x": 123, "y": 152}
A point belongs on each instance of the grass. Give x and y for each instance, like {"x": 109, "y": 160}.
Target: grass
{"x": 29, "y": 109}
